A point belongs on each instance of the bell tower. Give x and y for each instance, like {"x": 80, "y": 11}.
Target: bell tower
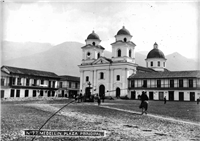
{"x": 92, "y": 50}
{"x": 123, "y": 49}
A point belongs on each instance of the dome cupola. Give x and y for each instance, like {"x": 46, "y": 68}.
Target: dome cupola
{"x": 93, "y": 39}
{"x": 155, "y": 53}
{"x": 93, "y": 35}
{"x": 156, "y": 59}
{"x": 123, "y": 31}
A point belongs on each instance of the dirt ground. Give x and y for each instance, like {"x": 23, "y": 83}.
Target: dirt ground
{"x": 119, "y": 124}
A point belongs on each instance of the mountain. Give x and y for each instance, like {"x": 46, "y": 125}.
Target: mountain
{"x": 63, "y": 59}
{"x": 11, "y": 50}
{"x": 177, "y": 62}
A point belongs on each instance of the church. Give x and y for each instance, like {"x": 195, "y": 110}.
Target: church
{"x": 120, "y": 76}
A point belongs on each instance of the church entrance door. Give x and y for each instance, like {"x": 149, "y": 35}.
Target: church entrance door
{"x": 101, "y": 90}
{"x": 117, "y": 92}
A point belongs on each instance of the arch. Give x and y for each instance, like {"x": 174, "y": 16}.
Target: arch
{"x": 101, "y": 91}
{"x": 118, "y": 92}
{"x": 125, "y": 39}
{"x": 119, "y": 53}
{"x": 130, "y": 53}
{"x": 88, "y": 55}
{"x": 98, "y": 55}
{"x": 93, "y": 43}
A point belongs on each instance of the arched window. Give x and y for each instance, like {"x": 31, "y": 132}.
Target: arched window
{"x": 151, "y": 63}
{"x": 101, "y": 75}
{"x": 88, "y": 55}
{"x": 130, "y": 53}
{"x": 98, "y": 55}
{"x": 125, "y": 39}
{"x": 164, "y": 64}
{"x": 93, "y": 43}
{"x": 119, "y": 53}
{"x": 87, "y": 78}
{"x": 158, "y": 63}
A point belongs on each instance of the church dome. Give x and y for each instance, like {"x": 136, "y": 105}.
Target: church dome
{"x": 93, "y": 36}
{"x": 123, "y": 31}
{"x": 155, "y": 53}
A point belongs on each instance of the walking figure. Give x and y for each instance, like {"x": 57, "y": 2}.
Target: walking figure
{"x": 144, "y": 102}
{"x": 165, "y": 100}
{"x": 98, "y": 100}
{"x": 81, "y": 97}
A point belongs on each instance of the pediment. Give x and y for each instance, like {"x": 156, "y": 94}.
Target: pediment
{"x": 101, "y": 61}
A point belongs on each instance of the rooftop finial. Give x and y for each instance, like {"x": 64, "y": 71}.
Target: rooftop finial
{"x": 155, "y": 45}
{"x": 123, "y": 26}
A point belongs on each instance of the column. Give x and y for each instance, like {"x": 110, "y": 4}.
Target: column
{"x": 112, "y": 81}
{"x": 95, "y": 80}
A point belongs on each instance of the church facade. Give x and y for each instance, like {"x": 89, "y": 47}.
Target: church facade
{"x": 120, "y": 76}
{"x": 107, "y": 76}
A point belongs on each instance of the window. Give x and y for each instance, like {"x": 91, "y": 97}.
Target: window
{"x": 190, "y": 83}
{"x": 119, "y": 53}
{"x": 132, "y": 83}
{"x": 181, "y": 83}
{"x": 76, "y": 85}
{"x": 93, "y": 43}
{"x": 101, "y": 75}
{"x": 118, "y": 77}
{"x": 130, "y": 53}
{"x": 159, "y": 63}
{"x": 27, "y": 81}
{"x": 54, "y": 84}
{"x": 145, "y": 83}
{"x": 87, "y": 78}
{"x": 151, "y": 63}
{"x": 158, "y": 83}
{"x": 125, "y": 39}
{"x": 13, "y": 80}
{"x": 88, "y": 55}
{"x": 70, "y": 84}
{"x": 98, "y": 55}
{"x": 19, "y": 81}
{"x": 2, "y": 81}
{"x": 171, "y": 82}
{"x": 60, "y": 84}
{"x": 35, "y": 82}
{"x": 163, "y": 64}
{"x": 42, "y": 81}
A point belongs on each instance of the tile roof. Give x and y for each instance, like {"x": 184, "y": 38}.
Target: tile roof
{"x": 23, "y": 71}
{"x": 144, "y": 69}
{"x": 69, "y": 78}
{"x": 167, "y": 74}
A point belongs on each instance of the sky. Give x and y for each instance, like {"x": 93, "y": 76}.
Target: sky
{"x": 172, "y": 24}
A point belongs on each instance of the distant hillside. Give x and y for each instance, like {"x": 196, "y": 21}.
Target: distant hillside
{"x": 11, "y": 50}
{"x": 63, "y": 59}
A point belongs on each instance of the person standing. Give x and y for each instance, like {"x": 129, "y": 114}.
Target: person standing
{"x": 165, "y": 100}
{"x": 98, "y": 100}
{"x": 144, "y": 102}
{"x": 81, "y": 97}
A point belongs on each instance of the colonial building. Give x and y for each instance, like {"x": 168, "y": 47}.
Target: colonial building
{"x": 121, "y": 76}
{"x": 174, "y": 85}
{"x": 69, "y": 86}
{"x": 21, "y": 82}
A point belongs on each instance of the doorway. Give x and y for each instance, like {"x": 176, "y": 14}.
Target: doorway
{"x": 118, "y": 92}
{"x": 133, "y": 95}
{"x": 171, "y": 95}
{"x": 150, "y": 95}
{"x": 181, "y": 96}
{"x": 101, "y": 90}
{"x": 192, "y": 96}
